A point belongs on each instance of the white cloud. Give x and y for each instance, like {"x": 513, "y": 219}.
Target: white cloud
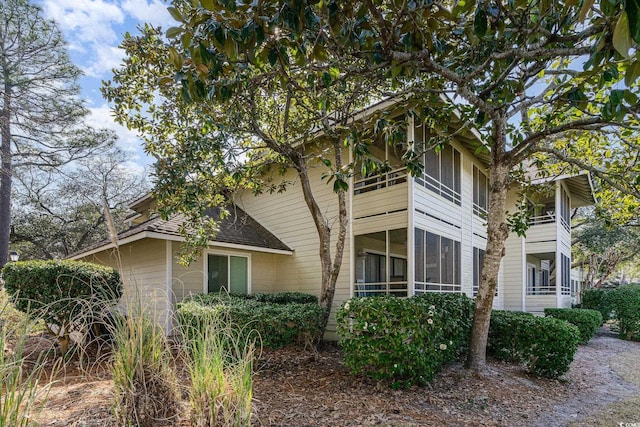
{"x": 91, "y": 21}
{"x": 107, "y": 58}
{"x": 152, "y": 12}
{"x": 101, "y": 117}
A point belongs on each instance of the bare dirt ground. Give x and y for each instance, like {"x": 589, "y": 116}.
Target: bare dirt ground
{"x": 292, "y": 388}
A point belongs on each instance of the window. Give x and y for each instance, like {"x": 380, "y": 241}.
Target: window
{"x": 565, "y": 208}
{"x": 539, "y": 279}
{"x": 442, "y": 173}
{"x": 478, "y": 260}
{"x": 227, "y": 272}
{"x": 565, "y": 283}
{"x": 480, "y": 192}
{"x": 437, "y": 263}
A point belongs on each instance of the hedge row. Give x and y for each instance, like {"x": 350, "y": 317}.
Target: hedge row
{"x": 277, "y": 324}
{"x": 621, "y": 304}
{"x": 544, "y": 345}
{"x": 587, "y": 321}
{"x": 404, "y": 340}
{"x": 67, "y": 294}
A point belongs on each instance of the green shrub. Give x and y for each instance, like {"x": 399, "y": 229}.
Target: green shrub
{"x": 404, "y": 340}
{"x": 587, "y": 321}
{"x": 598, "y": 299}
{"x": 277, "y": 324}
{"x": 546, "y": 346}
{"x": 65, "y": 294}
{"x": 625, "y": 301}
{"x": 287, "y": 298}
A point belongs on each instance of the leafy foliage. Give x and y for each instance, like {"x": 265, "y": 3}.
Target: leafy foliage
{"x": 544, "y": 345}
{"x": 404, "y": 340}
{"x": 65, "y": 294}
{"x": 286, "y": 298}
{"x": 598, "y": 299}
{"x": 277, "y": 324}
{"x": 625, "y": 301}
{"x": 587, "y": 321}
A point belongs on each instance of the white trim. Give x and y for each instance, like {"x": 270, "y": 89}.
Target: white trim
{"x": 205, "y": 256}
{"x": 169, "y": 255}
{"x": 170, "y": 237}
{"x": 411, "y": 263}
{"x": 352, "y": 253}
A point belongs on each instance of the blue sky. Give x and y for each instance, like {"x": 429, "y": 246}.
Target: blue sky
{"x": 93, "y": 30}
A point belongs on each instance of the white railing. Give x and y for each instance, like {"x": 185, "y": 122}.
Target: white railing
{"x": 389, "y": 179}
{"x": 548, "y": 218}
{"x": 437, "y": 187}
{"x": 381, "y": 288}
{"x": 421, "y": 287}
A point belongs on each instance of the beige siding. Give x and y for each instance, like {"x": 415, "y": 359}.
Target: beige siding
{"x": 380, "y": 201}
{"x": 191, "y": 279}
{"x": 537, "y": 303}
{"x": 287, "y": 216}
{"x": 513, "y": 264}
{"x": 143, "y": 266}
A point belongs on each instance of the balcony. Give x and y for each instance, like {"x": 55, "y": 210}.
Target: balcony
{"x": 380, "y": 194}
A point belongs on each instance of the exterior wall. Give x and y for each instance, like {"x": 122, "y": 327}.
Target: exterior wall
{"x": 286, "y": 215}
{"x": 191, "y": 279}
{"x": 143, "y": 269}
{"x": 513, "y": 265}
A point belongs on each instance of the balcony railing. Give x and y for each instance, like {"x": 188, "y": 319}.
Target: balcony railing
{"x": 389, "y": 179}
{"x": 381, "y": 288}
{"x": 548, "y": 218}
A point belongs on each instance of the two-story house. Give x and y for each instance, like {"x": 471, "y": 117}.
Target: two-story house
{"x": 407, "y": 235}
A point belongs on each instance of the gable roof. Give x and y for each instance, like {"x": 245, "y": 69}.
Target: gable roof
{"x": 580, "y": 186}
{"x": 237, "y": 230}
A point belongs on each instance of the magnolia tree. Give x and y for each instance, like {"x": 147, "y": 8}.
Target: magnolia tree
{"x": 537, "y": 80}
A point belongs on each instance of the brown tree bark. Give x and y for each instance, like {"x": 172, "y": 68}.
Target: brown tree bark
{"x": 497, "y": 233}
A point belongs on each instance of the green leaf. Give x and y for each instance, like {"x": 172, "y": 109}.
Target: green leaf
{"x": 207, "y": 4}
{"x": 175, "y": 14}
{"x": 585, "y": 9}
{"x": 622, "y": 36}
{"x": 173, "y": 32}
{"x": 480, "y": 23}
{"x": 632, "y": 7}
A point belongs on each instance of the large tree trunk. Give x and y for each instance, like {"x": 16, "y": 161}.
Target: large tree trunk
{"x": 330, "y": 268}
{"x": 497, "y": 233}
{"x": 5, "y": 173}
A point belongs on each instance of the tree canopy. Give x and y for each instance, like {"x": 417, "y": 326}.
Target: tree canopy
{"x": 40, "y": 110}
{"x": 536, "y": 80}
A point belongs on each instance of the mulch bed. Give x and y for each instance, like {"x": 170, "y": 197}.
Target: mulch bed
{"x": 296, "y": 388}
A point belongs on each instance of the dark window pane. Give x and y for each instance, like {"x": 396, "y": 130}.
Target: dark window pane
{"x": 432, "y": 164}
{"x": 217, "y": 273}
{"x": 419, "y": 255}
{"x": 433, "y": 258}
{"x": 448, "y": 260}
{"x": 447, "y": 166}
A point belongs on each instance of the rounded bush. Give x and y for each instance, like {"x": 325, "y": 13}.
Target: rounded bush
{"x": 64, "y": 293}
{"x": 598, "y": 299}
{"x": 625, "y": 302}
{"x": 544, "y": 345}
{"x": 404, "y": 340}
{"x": 588, "y": 321}
{"x": 287, "y": 298}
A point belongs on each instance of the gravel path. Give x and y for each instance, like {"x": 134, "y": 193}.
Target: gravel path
{"x": 606, "y": 378}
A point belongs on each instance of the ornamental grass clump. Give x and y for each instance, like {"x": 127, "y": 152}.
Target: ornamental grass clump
{"x": 23, "y": 392}
{"x": 404, "y": 341}
{"x": 220, "y": 359}
{"x": 145, "y": 384}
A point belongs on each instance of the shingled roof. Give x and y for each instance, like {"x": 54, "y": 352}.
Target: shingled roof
{"x": 238, "y": 228}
